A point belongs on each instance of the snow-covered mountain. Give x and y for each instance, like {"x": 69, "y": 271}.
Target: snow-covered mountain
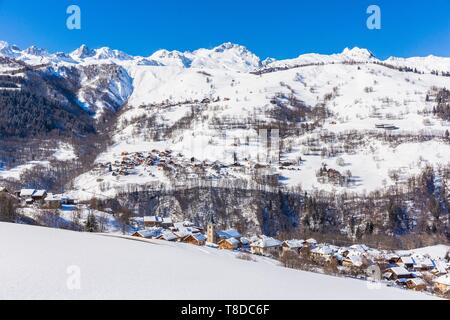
{"x": 348, "y": 122}
{"x": 8, "y": 50}
{"x": 423, "y": 64}
{"x": 227, "y": 56}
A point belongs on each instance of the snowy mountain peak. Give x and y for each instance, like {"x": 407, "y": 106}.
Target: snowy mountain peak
{"x": 268, "y": 61}
{"x": 36, "y": 51}
{"x": 3, "y": 44}
{"x": 230, "y": 46}
{"x": 10, "y": 51}
{"x": 108, "y": 53}
{"x": 83, "y": 52}
{"x": 358, "y": 53}
{"x": 171, "y": 58}
{"x": 227, "y": 56}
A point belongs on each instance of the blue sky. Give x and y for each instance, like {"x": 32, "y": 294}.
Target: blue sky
{"x": 275, "y": 28}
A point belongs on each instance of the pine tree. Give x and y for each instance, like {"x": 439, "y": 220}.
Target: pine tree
{"x": 91, "y": 223}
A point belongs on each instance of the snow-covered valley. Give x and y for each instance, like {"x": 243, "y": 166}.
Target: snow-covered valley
{"x": 342, "y": 144}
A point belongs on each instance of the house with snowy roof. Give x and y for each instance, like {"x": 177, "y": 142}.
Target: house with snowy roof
{"x": 266, "y": 246}
{"x": 417, "y": 284}
{"x": 229, "y": 244}
{"x": 442, "y": 284}
{"x": 353, "y": 260}
{"x": 53, "y": 201}
{"x": 230, "y": 233}
{"x": 32, "y": 195}
{"x": 324, "y": 251}
{"x": 186, "y": 226}
{"x": 396, "y": 273}
{"x": 293, "y": 245}
{"x": 167, "y": 235}
{"x": 245, "y": 244}
{"x": 152, "y": 221}
{"x": 423, "y": 263}
{"x": 148, "y": 233}
{"x": 407, "y": 262}
{"x": 440, "y": 268}
{"x": 39, "y": 195}
{"x": 197, "y": 239}
{"x": 362, "y": 248}
{"x": 26, "y": 193}
{"x": 391, "y": 259}
{"x": 311, "y": 243}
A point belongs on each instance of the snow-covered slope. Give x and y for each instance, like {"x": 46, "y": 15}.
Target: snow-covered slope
{"x": 39, "y": 263}
{"x": 360, "y": 98}
{"x": 210, "y": 103}
{"x": 423, "y": 64}
{"x": 435, "y": 252}
{"x": 355, "y": 54}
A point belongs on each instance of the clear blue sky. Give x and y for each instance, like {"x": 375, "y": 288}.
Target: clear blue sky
{"x": 275, "y": 28}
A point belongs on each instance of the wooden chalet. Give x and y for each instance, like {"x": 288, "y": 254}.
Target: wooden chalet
{"x": 167, "y": 236}
{"x": 442, "y": 284}
{"x": 197, "y": 239}
{"x": 39, "y": 195}
{"x": 406, "y": 262}
{"x": 229, "y": 244}
{"x": 396, "y": 273}
{"x": 148, "y": 233}
{"x": 417, "y": 284}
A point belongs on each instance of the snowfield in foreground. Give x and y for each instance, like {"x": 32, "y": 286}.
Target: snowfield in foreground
{"x": 35, "y": 263}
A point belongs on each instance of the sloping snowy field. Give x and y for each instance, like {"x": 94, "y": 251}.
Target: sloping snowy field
{"x": 40, "y": 263}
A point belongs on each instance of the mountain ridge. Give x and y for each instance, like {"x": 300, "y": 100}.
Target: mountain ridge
{"x": 239, "y": 57}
